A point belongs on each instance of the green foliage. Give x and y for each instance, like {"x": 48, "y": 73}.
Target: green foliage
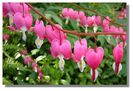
{"x": 16, "y": 72}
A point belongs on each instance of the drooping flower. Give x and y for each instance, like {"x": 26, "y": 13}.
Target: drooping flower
{"x": 8, "y": 12}
{"x": 80, "y": 49}
{"x": 62, "y": 50}
{"x": 118, "y": 55}
{"x": 97, "y": 22}
{"x": 54, "y": 33}
{"x": 9, "y": 9}
{"x": 84, "y": 21}
{"x": 67, "y": 13}
{"x": 90, "y": 21}
{"x": 106, "y": 22}
{"x": 23, "y": 22}
{"x": 77, "y": 15}
{"x": 94, "y": 58}
{"x": 40, "y": 32}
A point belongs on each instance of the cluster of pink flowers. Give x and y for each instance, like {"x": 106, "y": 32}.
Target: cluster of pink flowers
{"x": 60, "y": 45}
{"x": 80, "y": 17}
{"x": 110, "y": 28}
{"x": 19, "y": 15}
{"x": 29, "y": 61}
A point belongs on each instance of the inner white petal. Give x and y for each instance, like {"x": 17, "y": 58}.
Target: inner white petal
{"x": 81, "y": 64}
{"x": 67, "y": 20}
{"x": 24, "y": 29}
{"x": 120, "y": 68}
{"x": 95, "y": 28}
{"x": 86, "y": 30}
{"x": 113, "y": 66}
{"x": 61, "y": 62}
{"x": 10, "y": 19}
{"x": 38, "y": 42}
{"x": 96, "y": 74}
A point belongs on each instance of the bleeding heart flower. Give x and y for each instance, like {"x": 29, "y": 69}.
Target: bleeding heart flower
{"x": 40, "y": 32}
{"x": 18, "y": 7}
{"x": 9, "y": 9}
{"x": 90, "y": 21}
{"x": 94, "y": 58}
{"x": 74, "y": 15}
{"x": 118, "y": 55}
{"x": 84, "y": 22}
{"x": 62, "y": 50}
{"x": 67, "y": 13}
{"x": 23, "y": 22}
{"x": 77, "y": 16}
{"x": 96, "y": 22}
{"x": 80, "y": 49}
{"x": 8, "y": 12}
{"x": 54, "y": 33}
{"x": 106, "y": 22}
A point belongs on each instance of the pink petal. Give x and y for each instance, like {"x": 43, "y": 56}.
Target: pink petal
{"x": 65, "y": 49}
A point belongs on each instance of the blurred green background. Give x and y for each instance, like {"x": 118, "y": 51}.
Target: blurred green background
{"x": 15, "y": 72}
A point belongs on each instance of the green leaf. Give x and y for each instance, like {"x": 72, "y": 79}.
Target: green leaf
{"x": 54, "y": 16}
{"x": 111, "y": 41}
{"x": 124, "y": 70}
{"x": 64, "y": 82}
{"x": 101, "y": 39}
{"x": 40, "y": 58}
{"x": 33, "y": 75}
{"x": 72, "y": 39}
{"x": 54, "y": 8}
{"x": 35, "y": 51}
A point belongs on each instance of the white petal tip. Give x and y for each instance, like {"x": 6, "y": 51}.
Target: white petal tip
{"x": 119, "y": 68}
{"x": 61, "y": 63}
{"x": 95, "y": 28}
{"x": 96, "y": 74}
{"x": 38, "y": 43}
{"x": 81, "y": 65}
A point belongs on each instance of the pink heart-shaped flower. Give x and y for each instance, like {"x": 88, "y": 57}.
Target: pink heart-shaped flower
{"x": 94, "y": 57}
